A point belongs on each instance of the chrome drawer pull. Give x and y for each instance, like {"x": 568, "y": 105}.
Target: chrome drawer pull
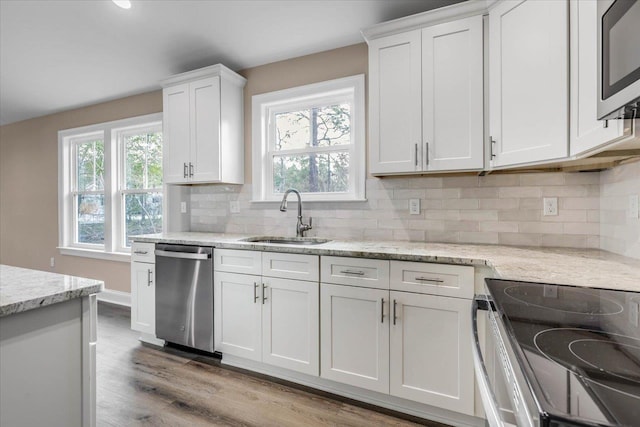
{"x": 140, "y": 252}
{"x": 255, "y": 292}
{"x": 426, "y": 279}
{"x": 381, "y": 310}
{"x": 149, "y": 273}
{"x": 264, "y": 293}
{"x": 354, "y": 272}
{"x": 394, "y": 311}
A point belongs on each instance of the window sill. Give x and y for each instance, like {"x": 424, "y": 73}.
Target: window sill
{"x": 306, "y": 201}
{"x": 89, "y": 253}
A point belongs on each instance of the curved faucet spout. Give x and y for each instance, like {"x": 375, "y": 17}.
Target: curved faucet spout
{"x": 300, "y": 227}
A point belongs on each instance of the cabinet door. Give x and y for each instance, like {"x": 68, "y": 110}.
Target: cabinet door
{"x": 205, "y": 130}
{"x": 395, "y": 103}
{"x": 143, "y": 297}
{"x": 237, "y": 309}
{"x": 290, "y": 324}
{"x": 587, "y": 132}
{"x": 176, "y": 134}
{"x": 430, "y": 353}
{"x": 452, "y": 103}
{"x": 529, "y": 81}
{"x": 354, "y": 343}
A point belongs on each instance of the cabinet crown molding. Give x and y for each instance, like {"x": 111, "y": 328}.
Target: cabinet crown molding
{"x": 213, "y": 70}
{"x": 428, "y": 18}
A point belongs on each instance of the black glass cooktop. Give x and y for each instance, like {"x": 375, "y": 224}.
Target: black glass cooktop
{"x": 579, "y": 348}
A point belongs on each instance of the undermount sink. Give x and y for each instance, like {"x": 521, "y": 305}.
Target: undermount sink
{"x": 286, "y": 240}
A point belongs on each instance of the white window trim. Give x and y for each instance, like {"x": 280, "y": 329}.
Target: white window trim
{"x": 110, "y": 251}
{"x": 264, "y": 105}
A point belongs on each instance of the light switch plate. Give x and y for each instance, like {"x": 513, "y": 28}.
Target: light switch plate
{"x": 633, "y": 206}
{"x": 234, "y": 206}
{"x": 183, "y": 207}
{"x": 414, "y": 206}
{"x": 550, "y": 206}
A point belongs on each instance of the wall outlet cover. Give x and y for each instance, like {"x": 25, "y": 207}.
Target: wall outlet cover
{"x": 550, "y": 206}
{"x": 414, "y": 206}
{"x": 183, "y": 207}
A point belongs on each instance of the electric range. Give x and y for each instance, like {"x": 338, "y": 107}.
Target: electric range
{"x": 570, "y": 355}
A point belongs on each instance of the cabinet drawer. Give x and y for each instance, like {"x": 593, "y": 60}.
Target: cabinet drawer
{"x": 237, "y": 261}
{"x": 370, "y": 273}
{"x": 143, "y": 252}
{"x": 291, "y": 266}
{"x": 434, "y": 279}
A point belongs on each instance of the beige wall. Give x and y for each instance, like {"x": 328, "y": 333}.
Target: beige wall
{"x": 332, "y": 64}
{"x": 29, "y": 189}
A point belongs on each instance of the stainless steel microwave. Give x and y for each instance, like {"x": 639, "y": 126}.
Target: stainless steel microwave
{"x": 618, "y": 59}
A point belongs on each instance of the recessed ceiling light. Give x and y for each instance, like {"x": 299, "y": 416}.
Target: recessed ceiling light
{"x": 125, "y": 4}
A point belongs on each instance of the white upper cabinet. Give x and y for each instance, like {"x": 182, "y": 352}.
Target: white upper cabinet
{"x": 426, "y": 99}
{"x": 452, "y": 95}
{"x": 529, "y": 91}
{"x": 203, "y": 127}
{"x": 586, "y": 131}
{"x": 395, "y": 112}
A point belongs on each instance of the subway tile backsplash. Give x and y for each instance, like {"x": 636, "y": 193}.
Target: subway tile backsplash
{"x": 494, "y": 209}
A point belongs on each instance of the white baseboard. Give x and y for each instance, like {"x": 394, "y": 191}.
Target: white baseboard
{"x": 115, "y": 297}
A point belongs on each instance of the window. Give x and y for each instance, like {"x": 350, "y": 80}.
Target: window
{"x": 110, "y": 186}
{"x": 310, "y": 138}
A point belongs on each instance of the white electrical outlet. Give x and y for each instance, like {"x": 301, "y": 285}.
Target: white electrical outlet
{"x": 234, "y": 206}
{"x": 550, "y": 206}
{"x": 414, "y": 206}
{"x": 633, "y": 207}
{"x": 183, "y": 207}
{"x": 52, "y": 262}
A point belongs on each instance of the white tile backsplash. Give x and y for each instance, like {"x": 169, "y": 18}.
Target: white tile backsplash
{"x": 494, "y": 209}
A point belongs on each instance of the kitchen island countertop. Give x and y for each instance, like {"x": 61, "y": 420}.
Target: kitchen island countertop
{"x": 579, "y": 267}
{"x": 23, "y": 289}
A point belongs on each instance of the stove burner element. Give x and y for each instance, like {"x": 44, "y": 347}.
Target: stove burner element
{"x": 563, "y": 298}
{"x": 609, "y": 360}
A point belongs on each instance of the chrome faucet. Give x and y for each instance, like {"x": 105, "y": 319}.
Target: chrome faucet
{"x": 300, "y": 227}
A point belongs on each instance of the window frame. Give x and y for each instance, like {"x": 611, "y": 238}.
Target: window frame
{"x": 264, "y": 108}
{"x": 114, "y": 247}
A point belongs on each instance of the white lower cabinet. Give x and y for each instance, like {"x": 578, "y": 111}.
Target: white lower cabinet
{"x": 143, "y": 288}
{"x": 430, "y": 344}
{"x": 411, "y": 345}
{"x": 354, "y": 338}
{"x": 267, "y": 319}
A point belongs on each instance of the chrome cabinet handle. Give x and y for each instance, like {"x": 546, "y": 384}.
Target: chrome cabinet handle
{"x": 149, "y": 273}
{"x": 255, "y": 292}
{"x": 354, "y": 272}
{"x": 416, "y": 155}
{"x": 426, "y": 152}
{"x": 264, "y": 293}
{"x": 394, "y": 311}
{"x": 190, "y": 169}
{"x": 492, "y": 141}
{"x": 184, "y": 170}
{"x": 381, "y": 310}
{"x": 140, "y": 252}
{"x": 426, "y": 279}
{"x": 182, "y": 255}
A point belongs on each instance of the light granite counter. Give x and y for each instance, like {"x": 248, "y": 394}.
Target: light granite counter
{"x": 579, "y": 267}
{"x": 23, "y": 289}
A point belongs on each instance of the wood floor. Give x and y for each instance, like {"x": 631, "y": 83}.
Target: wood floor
{"x": 140, "y": 385}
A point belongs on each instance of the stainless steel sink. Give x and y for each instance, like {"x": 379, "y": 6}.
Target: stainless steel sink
{"x": 286, "y": 240}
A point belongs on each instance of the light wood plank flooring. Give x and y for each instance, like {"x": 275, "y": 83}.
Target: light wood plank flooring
{"x": 140, "y": 385}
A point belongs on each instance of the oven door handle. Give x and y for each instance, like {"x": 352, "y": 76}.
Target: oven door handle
{"x": 489, "y": 401}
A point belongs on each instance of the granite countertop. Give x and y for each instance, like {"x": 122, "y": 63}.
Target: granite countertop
{"x": 23, "y": 289}
{"x": 579, "y": 267}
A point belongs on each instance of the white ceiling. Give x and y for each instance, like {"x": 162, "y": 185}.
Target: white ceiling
{"x": 58, "y": 55}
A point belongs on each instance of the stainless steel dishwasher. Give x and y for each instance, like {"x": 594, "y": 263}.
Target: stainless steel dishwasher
{"x": 184, "y": 295}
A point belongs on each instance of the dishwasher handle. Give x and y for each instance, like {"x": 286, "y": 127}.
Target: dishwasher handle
{"x": 182, "y": 255}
